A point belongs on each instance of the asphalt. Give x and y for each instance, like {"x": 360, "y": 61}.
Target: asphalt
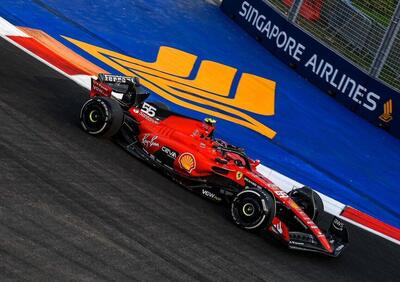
{"x": 75, "y": 207}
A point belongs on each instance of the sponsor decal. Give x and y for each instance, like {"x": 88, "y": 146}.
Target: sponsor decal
{"x": 387, "y": 115}
{"x": 271, "y": 31}
{"x": 169, "y": 152}
{"x": 281, "y": 194}
{"x": 212, "y": 92}
{"x": 323, "y": 70}
{"x": 150, "y": 142}
{"x": 100, "y": 88}
{"x": 249, "y": 181}
{"x": 210, "y": 195}
{"x": 296, "y": 243}
{"x": 338, "y": 225}
{"x": 118, "y": 78}
{"x": 338, "y": 249}
{"x": 251, "y": 184}
{"x": 239, "y": 175}
{"x": 278, "y": 227}
{"x": 145, "y": 116}
{"x": 187, "y": 162}
{"x": 148, "y": 110}
{"x": 343, "y": 83}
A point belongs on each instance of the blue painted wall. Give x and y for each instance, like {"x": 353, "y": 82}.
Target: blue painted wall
{"x": 319, "y": 142}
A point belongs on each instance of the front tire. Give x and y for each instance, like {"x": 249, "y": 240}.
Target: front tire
{"x": 309, "y": 201}
{"x": 101, "y": 116}
{"x": 253, "y": 209}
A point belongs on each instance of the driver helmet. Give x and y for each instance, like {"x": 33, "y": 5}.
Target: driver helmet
{"x": 210, "y": 122}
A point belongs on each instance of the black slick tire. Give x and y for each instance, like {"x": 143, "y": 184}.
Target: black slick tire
{"x": 101, "y": 116}
{"x": 309, "y": 201}
{"x": 252, "y": 209}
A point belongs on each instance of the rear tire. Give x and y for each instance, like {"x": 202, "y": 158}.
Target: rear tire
{"x": 101, "y": 116}
{"x": 309, "y": 201}
{"x": 253, "y": 209}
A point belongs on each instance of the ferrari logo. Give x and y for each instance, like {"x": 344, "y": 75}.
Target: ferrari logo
{"x": 239, "y": 175}
{"x": 387, "y": 112}
{"x": 209, "y": 91}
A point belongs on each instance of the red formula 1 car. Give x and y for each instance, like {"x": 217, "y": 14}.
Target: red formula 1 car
{"x": 186, "y": 150}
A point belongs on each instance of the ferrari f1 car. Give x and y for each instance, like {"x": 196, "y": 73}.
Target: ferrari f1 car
{"x": 186, "y": 150}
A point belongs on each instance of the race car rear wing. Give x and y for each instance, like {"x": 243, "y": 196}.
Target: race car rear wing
{"x": 112, "y": 78}
{"x": 127, "y": 89}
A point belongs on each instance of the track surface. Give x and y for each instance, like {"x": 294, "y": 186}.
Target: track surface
{"x": 319, "y": 143}
{"x": 74, "y": 207}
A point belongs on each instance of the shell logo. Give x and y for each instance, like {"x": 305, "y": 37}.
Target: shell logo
{"x": 187, "y": 162}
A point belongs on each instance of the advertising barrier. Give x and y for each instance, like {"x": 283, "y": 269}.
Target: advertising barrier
{"x": 314, "y": 61}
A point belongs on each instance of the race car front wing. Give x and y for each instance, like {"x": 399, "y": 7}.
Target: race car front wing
{"x": 337, "y": 236}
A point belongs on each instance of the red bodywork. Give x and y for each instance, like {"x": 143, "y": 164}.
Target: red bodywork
{"x": 189, "y": 143}
{"x": 190, "y": 138}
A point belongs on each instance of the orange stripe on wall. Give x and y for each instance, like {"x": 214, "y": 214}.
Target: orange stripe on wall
{"x": 63, "y": 51}
{"x": 48, "y": 55}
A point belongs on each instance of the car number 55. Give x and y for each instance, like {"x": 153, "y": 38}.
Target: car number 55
{"x": 149, "y": 110}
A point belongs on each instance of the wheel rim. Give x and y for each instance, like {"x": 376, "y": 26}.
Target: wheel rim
{"x": 249, "y": 211}
{"x": 94, "y": 117}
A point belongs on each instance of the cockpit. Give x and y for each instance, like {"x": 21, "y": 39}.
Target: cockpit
{"x": 231, "y": 154}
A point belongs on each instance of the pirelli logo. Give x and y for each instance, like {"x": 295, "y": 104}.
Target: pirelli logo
{"x": 204, "y": 86}
{"x": 387, "y": 115}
